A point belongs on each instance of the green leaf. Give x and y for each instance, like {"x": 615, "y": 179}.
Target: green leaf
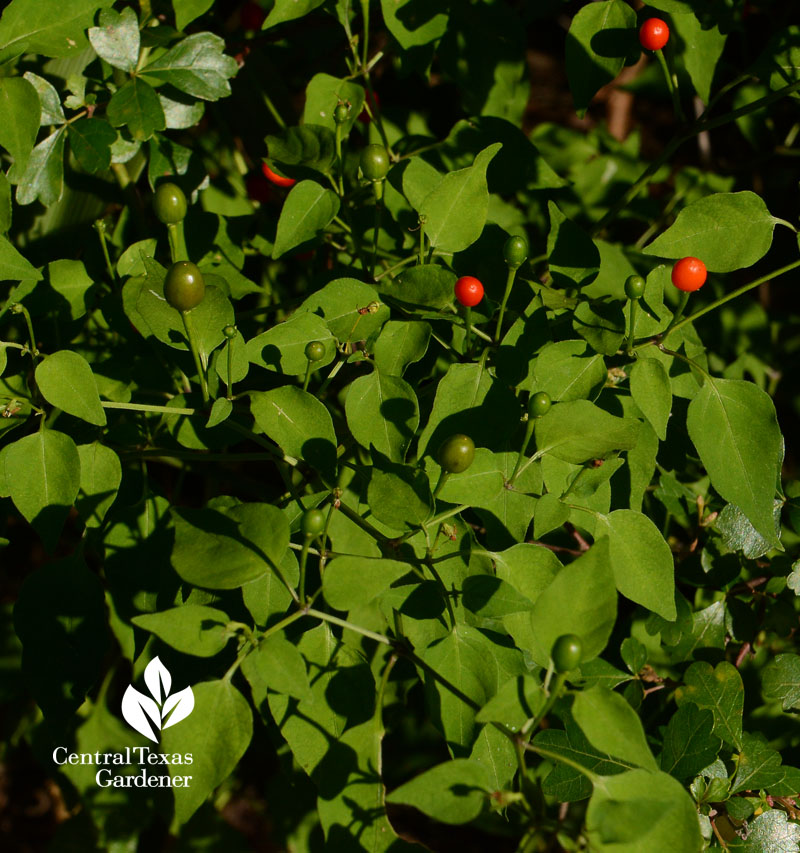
{"x": 49, "y": 27}
{"x": 454, "y": 792}
{"x": 191, "y": 628}
{"x": 5, "y": 204}
{"x": 401, "y": 343}
{"x": 419, "y": 179}
{"x": 60, "y": 618}
{"x": 197, "y": 66}
{"x": 70, "y": 280}
{"x": 781, "y": 681}
{"x": 351, "y": 582}
{"x": 701, "y": 50}
{"x": 581, "y": 600}
{"x": 101, "y": 475}
{"x": 413, "y": 25}
{"x": 307, "y": 211}
{"x": 492, "y": 598}
{"x": 468, "y": 400}
{"x": 117, "y": 39}
{"x": 770, "y": 832}
{"x": 308, "y": 145}
{"x": 223, "y": 724}
{"x": 382, "y": 412}
{"x": 277, "y": 665}
{"x": 299, "y": 424}
{"x": 425, "y": 286}
{"x": 758, "y": 767}
{"x": 641, "y": 810}
{"x": 44, "y": 175}
{"x": 738, "y": 534}
{"x": 641, "y": 561}
{"x": 455, "y": 211}
{"x": 91, "y": 140}
{"x": 652, "y": 393}
{"x": 727, "y": 231}
{"x": 579, "y": 431}
{"x": 43, "y": 473}
{"x": 720, "y": 690}
{"x": 612, "y": 726}
{"x": 573, "y": 258}
{"x": 549, "y": 515}
{"x": 601, "y": 324}
{"x": 399, "y": 496}
{"x": 600, "y": 37}
{"x": 67, "y": 382}
{"x": 689, "y": 745}
{"x": 51, "y": 111}
{"x": 343, "y": 692}
{"x": 470, "y": 662}
{"x": 187, "y": 11}
{"x": 323, "y": 93}
{"x": 341, "y": 305}
{"x": 288, "y": 10}
{"x": 735, "y": 430}
{"x": 282, "y": 348}
{"x": 519, "y": 699}
{"x": 225, "y": 548}
{"x": 137, "y": 107}
{"x": 19, "y": 119}
{"x": 15, "y": 267}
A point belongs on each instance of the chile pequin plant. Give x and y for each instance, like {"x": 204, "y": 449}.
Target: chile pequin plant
{"x": 387, "y": 449}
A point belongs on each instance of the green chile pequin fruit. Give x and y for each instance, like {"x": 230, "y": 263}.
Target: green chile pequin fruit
{"x": 313, "y": 522}
{"x": 634, "y": 287}
{"x": 515, "y": 251}
{"x": 566, "y": 653}
{"x": 315, "y": 350}
{"x": 184, "y": 286}
{"x": 456, "y": 454}
{"x": 374, "y": 162}
{"x": 539, "y": 404}
{"x": 169, "y": 204}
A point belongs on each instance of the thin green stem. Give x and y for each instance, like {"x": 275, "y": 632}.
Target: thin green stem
{"x": 262, "y": 442}
{"x": 177, "y": 242}
{"x": 188, "y": 325}
{"x": 308, "y": 375}
{"x": 562, "y": 759}
{"x": 273, "y": 111}
{"x": 672, "y": 85}
{"x": 19, "y": 308}
{"x": 443, "y": 478}
{"x": 144, "y": 407}
{"x": 397, "y": 266}
{"x": 376, "y": 229}
{"x": 525, "y": 442}
{"x": 339, "y": 160}
{"x": 467, "y": 328}
{"x": 421, "y": 259}
{"x": 512, "y": 274}
{"x": 631, "y": 325}
{"x": 682, "y": 302}
{"x": 362, "y": 523}
{"x": 100, "y": 227}
{"x": 230, "y": 368}
{"x": 301, "y": 586}
{"x": 335, "y": 620}
{"x": 684, "y": 359}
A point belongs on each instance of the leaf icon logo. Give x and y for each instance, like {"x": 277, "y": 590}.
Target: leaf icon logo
{"x": 147, "y": 715}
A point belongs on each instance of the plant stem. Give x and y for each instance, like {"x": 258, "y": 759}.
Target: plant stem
{"x": 335, "y": 620}
{"x": 188, "y": 325}
{"x": 376, "y": 226}
{"x": 273, "y": 111}
{"x": 177, "y": 242}
{"x": 683, "y": 300}
{"x": 397, "y": 266}
{"x": 301, "y": 586}
{"x": 512, "y": 274}
{"x": 443, "y": 478}
{"x": 19, "y": 308}
{"x": 100, "y": 227}
{"x": 525, "y": 442}
{"x": 362, "y": 523}
{"x": 143, "y": 407}
{"x": 631, "y": 325}
{"x": 421, "y": 259}
{"x": 672, "y": 85}
{"x": 230, "y": 368}
{"x": 308, "y": 376}
{"x": 339, "y": 159}
{"x": 467, "y": 327}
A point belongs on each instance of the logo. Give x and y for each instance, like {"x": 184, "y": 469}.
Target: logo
{"x": 149, "y": 716}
